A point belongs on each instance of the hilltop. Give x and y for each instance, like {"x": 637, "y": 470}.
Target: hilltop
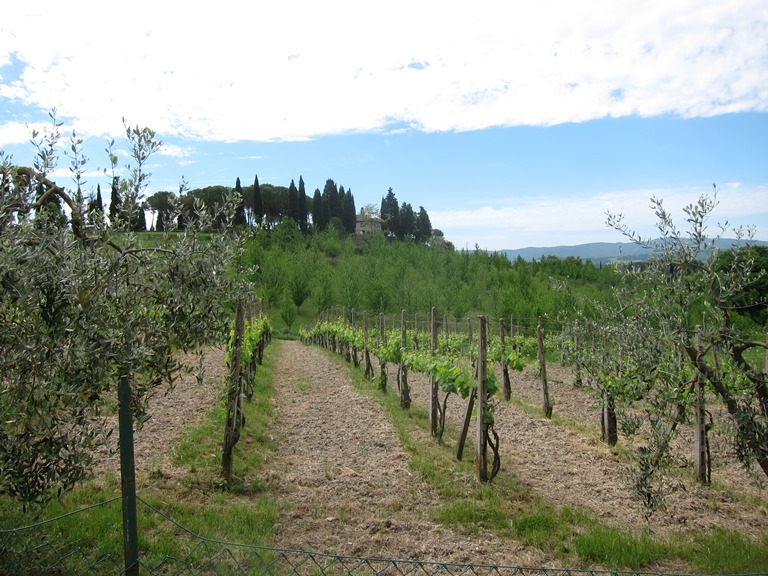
{"x": 602, "y": 252}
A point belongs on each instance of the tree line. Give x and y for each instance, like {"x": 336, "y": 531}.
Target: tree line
{"x": 260, "y": 206}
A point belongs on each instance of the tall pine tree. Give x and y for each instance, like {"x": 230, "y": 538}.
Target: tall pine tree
{"x": 96, "y": 208}
{"x": 240, "y": 210}
{"x": 302, "y": 206}
{"x": 390, "y": 214}
{"x": 318, "y": 212}
{"x": 293, "y": 203}
{"x": 331, "y": 200}
{"x": 406, "y": 222}
{"x": 349, "y": 216}
{"x": 258, "y": 204}
{"x": 423, "y": 226}
{"x": 115, "y": 201}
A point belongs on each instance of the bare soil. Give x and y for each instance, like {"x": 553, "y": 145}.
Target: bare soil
{"x": 345, "y": 485}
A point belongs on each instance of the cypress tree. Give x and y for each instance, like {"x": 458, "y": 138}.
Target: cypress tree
{"x": 99, "y": 202}
{"x": 293, "y": 203}
{"x": 331, "y": 200}
{"x": 390, "y": 214}
{"x": 350, "y": 212}
{"x": 96, "y": 208}
{"x": 240, "y": 211}
{"x": 423, "y": 226}
{"x": 318, "y": 211}
{"x": 302, "y": 206}
{"x": 258, "y": 205}
{"x": 406, "y": 222}
{"x": 115, "y": 201}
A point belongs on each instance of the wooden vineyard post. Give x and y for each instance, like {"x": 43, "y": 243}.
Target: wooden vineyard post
{"x": 234, "y": 396}
{"x": 481, "y": 454}
{"x": 405, "y": 393}
{"x": 382, "y": 364}
{"x": 366, "y": 350}
{"x": 700, "y": 460}
{"x": 504, "y": 367}
{"x": 434, "y": 400}
{"x": 545, "y": 403}
{"x": 351, "y": 350}
{"x": 469, "y": 336}
{"x": 576, "y": 356}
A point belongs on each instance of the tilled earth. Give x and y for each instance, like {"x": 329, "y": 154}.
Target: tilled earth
{"x": 345, "y": 482}
{"x": 345, "y": 486}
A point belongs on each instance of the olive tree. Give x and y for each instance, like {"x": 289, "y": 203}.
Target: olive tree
{"x": 83, "y": 305}
{"x": 673, "y": 334}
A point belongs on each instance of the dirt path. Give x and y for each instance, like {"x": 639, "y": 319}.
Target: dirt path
{"x": 344, "y": 482}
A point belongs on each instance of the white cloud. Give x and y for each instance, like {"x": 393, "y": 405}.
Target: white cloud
{"x": 67, "y": 173}
{"x": 523, "y": 222}
{"x": 293, "y": 70}
{"x": 175, "y": 151}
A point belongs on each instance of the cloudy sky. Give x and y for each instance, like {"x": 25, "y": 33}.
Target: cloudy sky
{"x": 513, "y": 123}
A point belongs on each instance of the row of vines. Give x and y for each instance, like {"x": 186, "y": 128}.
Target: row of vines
{"x": 251, "y": 333}
{"x": 458, "y": 357}
{"x": 456, "y": 362}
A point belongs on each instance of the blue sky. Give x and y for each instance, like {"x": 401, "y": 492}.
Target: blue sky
{"x": 513, "y": 124}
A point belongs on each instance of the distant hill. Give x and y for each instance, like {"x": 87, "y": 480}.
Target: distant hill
{"x": 600, "y": 251}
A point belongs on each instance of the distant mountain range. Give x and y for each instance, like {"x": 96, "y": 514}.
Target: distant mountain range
{"x": 602, "y": 252}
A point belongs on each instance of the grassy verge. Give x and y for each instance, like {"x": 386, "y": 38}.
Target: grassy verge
{"x": 245, "y": 511}
{"x": 575, "y": 537}
{"x": 174, "y": 511}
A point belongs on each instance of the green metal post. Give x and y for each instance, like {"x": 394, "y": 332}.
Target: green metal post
{"x": 128, "y": 479}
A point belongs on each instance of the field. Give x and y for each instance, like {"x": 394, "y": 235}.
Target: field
{"x": 355, "y": 475}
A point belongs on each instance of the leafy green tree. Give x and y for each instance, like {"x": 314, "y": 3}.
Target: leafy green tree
{"x": 275, "y": 200}
{"x": 79, "y": 310}
{"x": 162, "y": 203}
{"x": 752, "y": 302}
{"x": 684, "y": 304}
{"x": 300, "y": 282}
{"x": 288, "y": 313}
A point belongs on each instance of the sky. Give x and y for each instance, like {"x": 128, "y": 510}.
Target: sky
{"x": 513, "y": 123}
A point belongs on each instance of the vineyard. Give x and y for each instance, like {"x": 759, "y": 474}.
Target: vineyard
{"x": 627, "y": 406}
{"x": 558, "y": 444}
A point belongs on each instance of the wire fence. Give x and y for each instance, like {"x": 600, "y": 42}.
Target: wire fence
{"x": 47, "y": 548}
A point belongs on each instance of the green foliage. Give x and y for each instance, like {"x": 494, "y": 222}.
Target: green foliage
{"x": 610, "y": 546}
{"x": 255, "y": 330}
{"x": 669, "y": 322}
{"x": 387, "y": 276}
{"x": 80, "y": 307}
